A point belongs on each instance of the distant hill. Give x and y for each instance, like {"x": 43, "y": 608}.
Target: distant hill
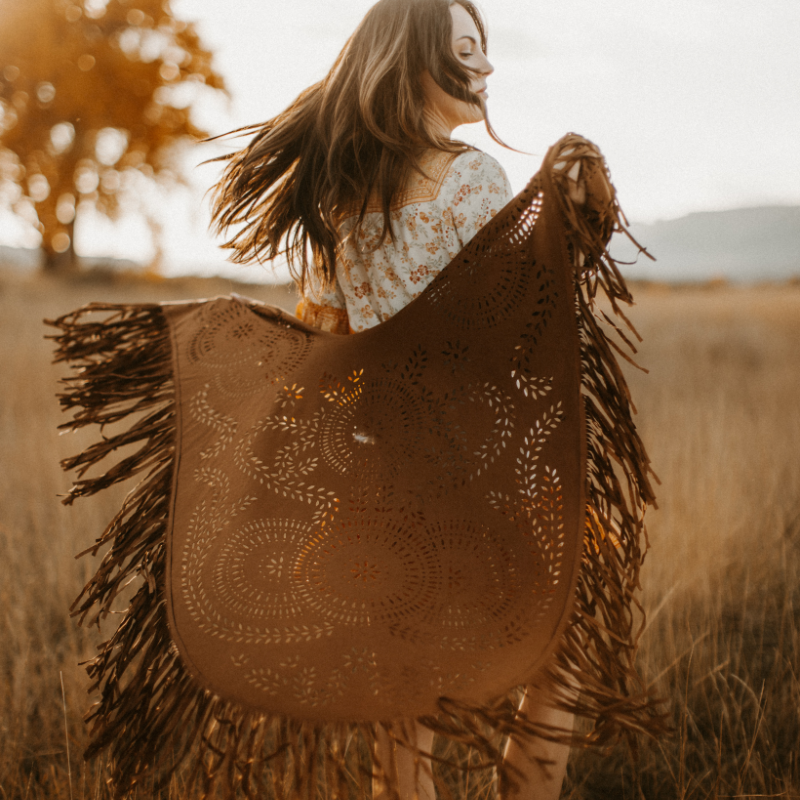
{"x": 19, "y": 258}
{"x": 25, "y": 260}
{"x": 747, "y": 244}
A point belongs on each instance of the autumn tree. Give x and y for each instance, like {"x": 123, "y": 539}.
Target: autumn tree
{"x": 95, "y": 97}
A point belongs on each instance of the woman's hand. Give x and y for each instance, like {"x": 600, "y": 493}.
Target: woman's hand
{"x": 577, "y": 189}
{"x": 588, "y": 196}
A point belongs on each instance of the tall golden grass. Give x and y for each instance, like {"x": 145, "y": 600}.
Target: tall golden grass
{"x": 720, "y": 414}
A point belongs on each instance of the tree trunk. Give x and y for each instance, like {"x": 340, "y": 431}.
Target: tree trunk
{"x": 60, "y": 263}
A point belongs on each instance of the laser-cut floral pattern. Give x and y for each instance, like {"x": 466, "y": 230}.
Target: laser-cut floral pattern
{"x": 374, "y": 481}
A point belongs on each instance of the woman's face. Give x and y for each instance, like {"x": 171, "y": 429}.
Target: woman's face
{"x": 446, "y": 110}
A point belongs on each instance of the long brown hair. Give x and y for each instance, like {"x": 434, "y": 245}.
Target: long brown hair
{"x": 355, "y": 134}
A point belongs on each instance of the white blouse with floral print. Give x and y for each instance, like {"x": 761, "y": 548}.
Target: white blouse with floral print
{"x": 432, "y": 221}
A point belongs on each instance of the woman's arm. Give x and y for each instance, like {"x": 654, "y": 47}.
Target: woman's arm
{"x": 477, "y": 188}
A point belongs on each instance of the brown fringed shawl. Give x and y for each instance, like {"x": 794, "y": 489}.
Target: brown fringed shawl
{"x": 334, "y": 532}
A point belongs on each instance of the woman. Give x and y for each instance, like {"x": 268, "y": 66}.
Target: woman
{"x": 361, "y": 185}
{"x": 249, "y": 659}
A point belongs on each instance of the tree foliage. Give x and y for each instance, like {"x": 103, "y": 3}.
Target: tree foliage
{"x": 95, "y": 97}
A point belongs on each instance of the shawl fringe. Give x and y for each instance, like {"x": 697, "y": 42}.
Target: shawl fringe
{"x": 152, "y": 717}
{"x": 598, "y": 649}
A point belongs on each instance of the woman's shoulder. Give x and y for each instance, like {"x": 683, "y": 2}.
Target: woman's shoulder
{"x": 475, "y": 163}
{"x": 474, "y": 171}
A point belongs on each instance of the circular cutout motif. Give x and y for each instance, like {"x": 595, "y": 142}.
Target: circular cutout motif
{"x": 486, "y": 297}
{"x": 373, "y": 428}
{"x": 364, "y": 574}
{"x": 247, "y": 350}
{"x": 481, "y": 582}
{"x": 252, "y": 575}
{"x": 226, "y": 337}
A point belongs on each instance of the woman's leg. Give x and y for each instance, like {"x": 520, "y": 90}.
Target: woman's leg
{"x": 411, "y": 774}
{"x": 540, "y": 765}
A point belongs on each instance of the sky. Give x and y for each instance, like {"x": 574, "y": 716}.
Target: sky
{"x": 695, "y": 103}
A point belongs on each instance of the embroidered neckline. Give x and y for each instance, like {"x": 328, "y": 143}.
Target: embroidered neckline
{"x": 421, "y": 188}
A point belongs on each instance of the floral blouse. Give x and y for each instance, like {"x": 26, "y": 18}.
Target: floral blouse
{"x": 433, "y": 219}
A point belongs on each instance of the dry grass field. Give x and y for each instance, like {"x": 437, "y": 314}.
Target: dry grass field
{"x": 720, "y": 414}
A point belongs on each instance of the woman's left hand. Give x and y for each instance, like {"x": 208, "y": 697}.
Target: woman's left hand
{"x": 577, "y": 190}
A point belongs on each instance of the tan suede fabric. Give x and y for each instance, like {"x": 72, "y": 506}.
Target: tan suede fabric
{"x": 365, "y": 523}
